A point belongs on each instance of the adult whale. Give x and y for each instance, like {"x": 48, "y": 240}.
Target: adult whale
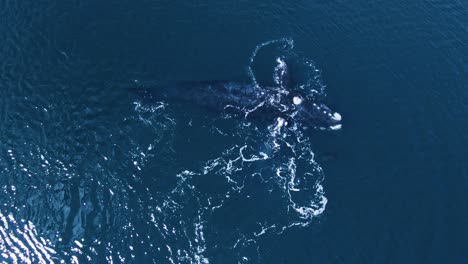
{"x": 269, "y": 103}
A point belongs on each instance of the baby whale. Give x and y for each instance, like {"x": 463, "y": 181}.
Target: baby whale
{"x": 269, "y": 103}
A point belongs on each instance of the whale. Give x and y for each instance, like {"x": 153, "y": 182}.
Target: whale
{"x": 276, "y": 102}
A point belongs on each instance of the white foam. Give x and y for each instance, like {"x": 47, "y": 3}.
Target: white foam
{"x": 289, "y": 45}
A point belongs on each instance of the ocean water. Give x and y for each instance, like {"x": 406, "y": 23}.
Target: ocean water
{"x": 91, "y": 174}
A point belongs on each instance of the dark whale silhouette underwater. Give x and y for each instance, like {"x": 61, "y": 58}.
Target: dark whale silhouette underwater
{"x": 275, "y": 103}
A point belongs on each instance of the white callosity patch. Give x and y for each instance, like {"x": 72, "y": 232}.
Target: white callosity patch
{"x": 297, "y": 100}
{"x": 337, "y": 116}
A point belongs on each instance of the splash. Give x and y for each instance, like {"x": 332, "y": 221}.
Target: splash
{"x": 309, "y": 81}
{"x": 285, "y": 44}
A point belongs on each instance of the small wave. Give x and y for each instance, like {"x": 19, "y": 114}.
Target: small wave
{"x": 20, "y": 242}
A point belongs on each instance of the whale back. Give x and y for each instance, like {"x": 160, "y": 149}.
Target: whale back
{"x": 211, "y": 94}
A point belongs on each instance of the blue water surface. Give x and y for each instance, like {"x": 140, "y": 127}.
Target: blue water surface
{"x": 89, "y": 173}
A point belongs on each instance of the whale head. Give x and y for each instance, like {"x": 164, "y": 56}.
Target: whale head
{"x": 317, "y": 115}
